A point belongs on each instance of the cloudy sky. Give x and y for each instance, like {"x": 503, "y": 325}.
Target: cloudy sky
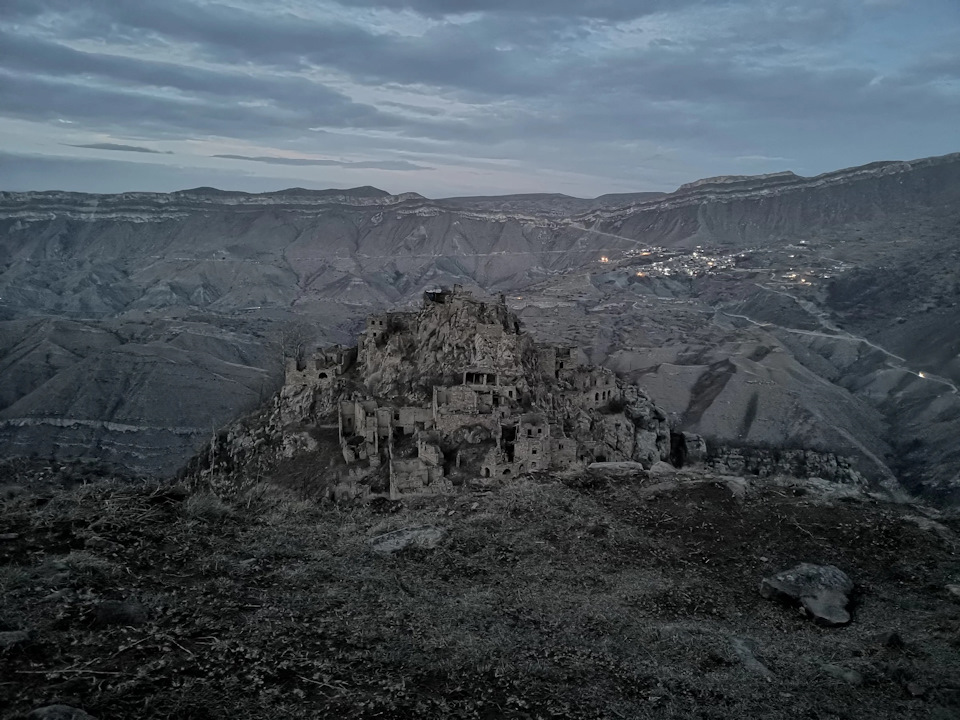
{"x": 452, "y": 97}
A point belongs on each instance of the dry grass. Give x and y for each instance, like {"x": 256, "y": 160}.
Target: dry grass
{"x": 549, "y": 598}
{"x": 206, "y": 506}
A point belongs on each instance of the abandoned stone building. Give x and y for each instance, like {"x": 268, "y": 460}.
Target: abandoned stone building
{"x": 457, "y": 389}
{"x": 323, "y": 365}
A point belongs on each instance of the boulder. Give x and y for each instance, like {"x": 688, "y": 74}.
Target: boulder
{"x": 426, "y": 536}
{"x": 619, "y": 469}
{"x": 822, "y": 590}
{"x": 645, "y": 447}
{"x": 661, "y": 468}
{"x": 652, "y": 432}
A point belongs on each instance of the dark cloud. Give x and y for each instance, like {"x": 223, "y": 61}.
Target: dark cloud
{"x": 120, "y": 148}
{"x": 451, "y": 55}
{"x": 365, "y": 164}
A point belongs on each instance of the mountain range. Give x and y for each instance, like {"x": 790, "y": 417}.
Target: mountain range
{"x": 761, "y": 312}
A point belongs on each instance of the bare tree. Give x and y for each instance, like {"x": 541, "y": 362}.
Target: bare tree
{"x": 293, "y": 339}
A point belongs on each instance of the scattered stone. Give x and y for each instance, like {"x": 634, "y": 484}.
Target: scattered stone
{"x": 953, "y": 589}
{"x": 822, "y": 590}
{"x": 849, "y": 676}
{"x": 427, "y": 536}
{"x": 120, "y": 612}
{"x": 9, "y": 536}
{"x": 13, "y": 638}
{"x": 744, "y": 649}
{"x": 59, "y": 712}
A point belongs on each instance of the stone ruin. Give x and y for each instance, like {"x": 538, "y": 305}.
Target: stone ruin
{"x": 457, "y": 391}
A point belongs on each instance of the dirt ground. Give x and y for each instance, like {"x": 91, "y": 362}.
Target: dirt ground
{"x": 551, "y": 597}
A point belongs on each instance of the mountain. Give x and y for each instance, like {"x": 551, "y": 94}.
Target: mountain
{"x": 761, "y": 312}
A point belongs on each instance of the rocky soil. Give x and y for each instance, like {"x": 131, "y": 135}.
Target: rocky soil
{"x": 583, "y": 595}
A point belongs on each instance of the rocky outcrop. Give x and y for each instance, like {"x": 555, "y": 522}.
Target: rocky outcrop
{"x": 651, "y": 437}
{"x": 426, "y": 537}
{"x": 768, "y": 462}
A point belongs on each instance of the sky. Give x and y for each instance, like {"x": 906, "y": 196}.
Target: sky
{"x": 467, "y": 97}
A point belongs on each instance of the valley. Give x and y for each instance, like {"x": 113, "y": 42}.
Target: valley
{"x": 767, "y": 311}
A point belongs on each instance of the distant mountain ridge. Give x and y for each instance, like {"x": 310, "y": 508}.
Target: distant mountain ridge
{"x": 135, "y": 323}
{"x": 606, "y": 209}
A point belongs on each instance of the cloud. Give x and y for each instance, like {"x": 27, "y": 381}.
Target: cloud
{"x": 635, "y": 94}
{"x": 120, "y": 148}
{"x": 366, "y": 164}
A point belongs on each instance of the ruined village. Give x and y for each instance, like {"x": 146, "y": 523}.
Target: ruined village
{"x": 457, "y": 391}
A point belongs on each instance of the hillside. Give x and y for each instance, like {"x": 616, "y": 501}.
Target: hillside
{"x": 570, "y": 595}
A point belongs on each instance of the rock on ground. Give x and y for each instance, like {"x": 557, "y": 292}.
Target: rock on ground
{"x": 622, "y": 468}
{"x": 426, "y": 536}
{"x": 822, "y": 590}
{"x": 662, "y": 468}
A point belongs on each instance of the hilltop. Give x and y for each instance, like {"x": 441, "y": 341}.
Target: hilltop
{"x": 567, "y": 594}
